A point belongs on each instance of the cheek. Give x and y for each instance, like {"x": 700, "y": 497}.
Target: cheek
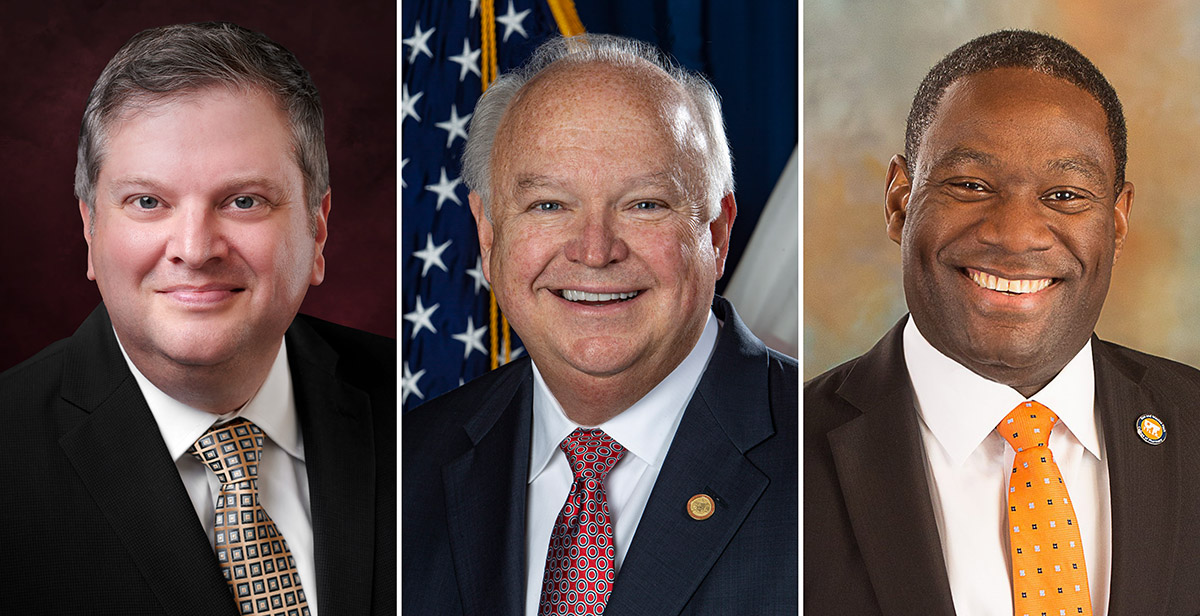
{"x": 520, "y": 254}
{"x": 131, "y": 249}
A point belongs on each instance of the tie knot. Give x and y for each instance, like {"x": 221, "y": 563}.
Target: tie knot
{"x": 231, "y": 450}
{"x": 592, "y": 453}
{"x": 1027, "y": 426}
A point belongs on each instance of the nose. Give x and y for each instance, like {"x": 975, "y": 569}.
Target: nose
{"x": 595, "y": 240}
{"x": 1017, "y": 224}
{"x": 196, "y": 236}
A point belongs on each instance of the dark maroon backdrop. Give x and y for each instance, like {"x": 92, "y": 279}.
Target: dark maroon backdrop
{"x": 52, "y": 52}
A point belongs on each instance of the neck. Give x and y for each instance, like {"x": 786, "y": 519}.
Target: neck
{"x": 219, "y": 388}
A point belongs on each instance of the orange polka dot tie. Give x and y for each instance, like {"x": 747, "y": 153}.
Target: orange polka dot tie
{"x": 1049, "y": 577}
{"x": 252, "y": 552}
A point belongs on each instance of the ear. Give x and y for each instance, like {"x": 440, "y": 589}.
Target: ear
{"x": 483, "y": 227}
{"x": 86, "y": 216}
{"x": 1121, "y": 217}
{"x": 720, "y": 228}
{"x": 318, "y": 270}
{"x": 895, "y": 200}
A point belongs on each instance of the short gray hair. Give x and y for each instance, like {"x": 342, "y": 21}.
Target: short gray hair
{"x": 604, "y": 49}
{"x": 174, "y": 61}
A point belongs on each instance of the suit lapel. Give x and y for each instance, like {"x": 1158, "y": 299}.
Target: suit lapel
{"x": 879, "y": 457}
{"x": 485, "y": 499}
{"x": 335, "y": 420}
{"x": 118, "y": 452}
{"x": 1144, "y": 483}
{"x": 671, "y": 553}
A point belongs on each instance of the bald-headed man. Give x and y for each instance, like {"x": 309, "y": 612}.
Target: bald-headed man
{"x": 642, "y": 460}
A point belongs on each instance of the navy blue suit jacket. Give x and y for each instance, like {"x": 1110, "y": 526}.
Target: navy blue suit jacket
{"x": 97, "y": 521}
{"x": 465, "y": 468}
{"x": 871, "y": 543}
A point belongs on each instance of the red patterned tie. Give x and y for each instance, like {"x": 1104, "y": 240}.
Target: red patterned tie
{"x": 579, "y": 564}
{"x": 252, "y": 552}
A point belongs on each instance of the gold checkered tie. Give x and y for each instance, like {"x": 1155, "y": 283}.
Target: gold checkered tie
{"x": 252, "y": 552}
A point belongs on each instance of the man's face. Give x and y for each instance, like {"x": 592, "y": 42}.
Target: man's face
{"x": 600, "y": 250}
{"x": 201, "y": 244}
{"x": 1010, "y": 225}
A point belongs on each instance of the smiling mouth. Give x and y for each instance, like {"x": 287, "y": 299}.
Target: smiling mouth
{"x": 596, "y": 299}
{"x": 1005, "y": 285}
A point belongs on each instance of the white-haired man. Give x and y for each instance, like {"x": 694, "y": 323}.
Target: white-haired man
{"x": 643, "y": 460}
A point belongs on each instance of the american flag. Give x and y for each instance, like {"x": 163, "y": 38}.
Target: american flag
{"x": 446, "y": 322}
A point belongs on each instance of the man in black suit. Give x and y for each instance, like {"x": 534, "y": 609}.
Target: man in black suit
{"x": 1010, "y": 207}
{"x": 602, "y": 191}
{"x": 203, "y": 191}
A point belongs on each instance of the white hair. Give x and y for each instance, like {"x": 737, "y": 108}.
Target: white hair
{"x": 614, "y": 51}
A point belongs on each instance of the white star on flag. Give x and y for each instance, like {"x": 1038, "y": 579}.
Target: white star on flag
{"x": 432, "y": 255}
{"x": 419, "y": 42}
{"x": 408, "y": 383}
{"x": 472, "y": 338}
{"x": 474, "y": 7}
{"x": 420, "y": 318}
{"x": 408, "y": 105}
{"x": 477, "y": 274}
{"x": 468, "y": 60}
{"x": 513, "y": 21}
{"x": 456, "y": 127}
{"x": 403, "y": 184}
{"x": 445, "y": 190}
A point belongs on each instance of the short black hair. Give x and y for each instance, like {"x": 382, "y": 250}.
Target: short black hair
{"x": 1035, "y": 51}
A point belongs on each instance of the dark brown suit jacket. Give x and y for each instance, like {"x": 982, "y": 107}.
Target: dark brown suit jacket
{"x": 871, "y": 543}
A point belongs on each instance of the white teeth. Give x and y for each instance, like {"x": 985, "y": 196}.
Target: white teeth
{"x": 584, "y": 296}
{"x": 996, "y": 283}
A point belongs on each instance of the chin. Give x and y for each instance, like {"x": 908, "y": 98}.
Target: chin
{"x": 600, "y": 357}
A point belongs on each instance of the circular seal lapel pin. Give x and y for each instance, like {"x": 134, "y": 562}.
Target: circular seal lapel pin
{"x": 1151, "y": 429}
{"x": 700, "y": 507}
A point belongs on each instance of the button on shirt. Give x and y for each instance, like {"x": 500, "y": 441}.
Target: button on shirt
{"x": 968, "y": 463}
{"x": 645, "y": 429}
{"x": 283, "y": 490}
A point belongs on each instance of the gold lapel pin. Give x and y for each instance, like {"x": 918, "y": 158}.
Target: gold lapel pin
{"x": 700, "y": 507}
{"x": 1151, "y": 429}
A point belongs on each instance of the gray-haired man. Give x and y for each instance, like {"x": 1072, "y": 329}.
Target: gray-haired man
{"x": 196, "y": 447}
{"x": 643, "y": 460}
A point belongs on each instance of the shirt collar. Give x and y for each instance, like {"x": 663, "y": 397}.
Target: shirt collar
{"x": 941, "y": 386}
{"x": 644, "y": 429}
{"x": 272, "y": 409}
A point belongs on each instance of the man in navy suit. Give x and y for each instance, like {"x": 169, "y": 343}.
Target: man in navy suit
{"x": 603, "y": 194}
{"x": 1010, "y": 207}
{"x": 203, "y": 190}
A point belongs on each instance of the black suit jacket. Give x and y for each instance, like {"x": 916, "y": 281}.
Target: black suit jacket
{"x": 466, "y": 458}
{"x": 97, "y": 521}
{"x": 871, "y": 543}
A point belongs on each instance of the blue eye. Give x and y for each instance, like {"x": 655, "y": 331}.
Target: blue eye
{"x": 548, "y": 206}
{"x": 244, "y": 203}
{"x": 147, "y": 203}
{"x": 646, "y": 205}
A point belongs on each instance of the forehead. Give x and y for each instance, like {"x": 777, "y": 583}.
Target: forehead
{"x": 597, "y": 107}
{"x": 1010, "y": 109}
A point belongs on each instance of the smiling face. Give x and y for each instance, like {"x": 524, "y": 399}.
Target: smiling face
{"x": 599, "y": 248}
{"x": 200, "y": 242}
{"x": 1010, "y": 226}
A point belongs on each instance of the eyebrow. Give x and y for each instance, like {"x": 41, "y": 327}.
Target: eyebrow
{"x": 234, "y": 184}
{"x": 1084, "y": 166}
{"x": 959, "y": 155}
{"x": 661, "y": 179}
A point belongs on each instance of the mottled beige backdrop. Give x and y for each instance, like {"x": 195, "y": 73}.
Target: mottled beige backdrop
{"x": 863, "y": 62}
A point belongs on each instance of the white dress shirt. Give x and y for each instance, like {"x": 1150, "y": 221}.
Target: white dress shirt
{"x": 283, "y": 483}
{"x": 645, "y": 429}
{"x": 968, "y": 464}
